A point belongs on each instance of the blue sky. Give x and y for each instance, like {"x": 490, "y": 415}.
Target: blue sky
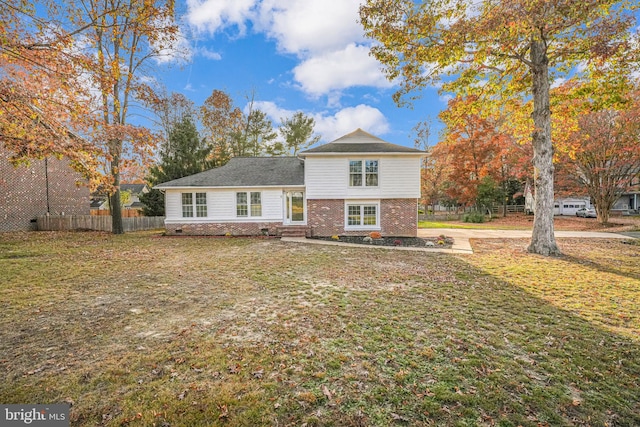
{"x": 296, "y": 55}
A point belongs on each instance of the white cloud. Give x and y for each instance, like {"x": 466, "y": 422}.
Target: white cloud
{"x": 334, "y": 71}
{"x": 301, "y": 26}
{"x": 214, "y": 15}
{"x": 324, "y": 34}
{"x": 209, "y": 54}
{"x": 347, "y": 120}
{"x": 445, "y": 98}
{"x": 558, "y": 82}
{"x": 274, "y": 112}
{"x": 174, "y": 51}
{"x": 332, "y": 126}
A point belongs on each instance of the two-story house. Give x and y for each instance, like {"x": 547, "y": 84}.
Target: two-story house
{"x": 351, "y": 186}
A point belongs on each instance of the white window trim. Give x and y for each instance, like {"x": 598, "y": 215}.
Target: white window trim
{"x": 248, "y": 195}
{"x": 363, "y": 173}
{"x": 194, "y": 205}
{"x": 362, "y": 203}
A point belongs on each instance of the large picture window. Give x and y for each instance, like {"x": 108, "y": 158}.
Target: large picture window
{"x": 362, "y": 216}
{"x": 188, "y": 205}
{"x": 363, "y": 173}
{"x": 249, "y": 204}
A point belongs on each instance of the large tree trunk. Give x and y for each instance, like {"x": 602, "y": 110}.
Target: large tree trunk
{"x": 116, "y": 207}
{"x": 543, "y": 240}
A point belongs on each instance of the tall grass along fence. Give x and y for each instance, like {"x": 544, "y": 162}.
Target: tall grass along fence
{"x": 97, "y": 223}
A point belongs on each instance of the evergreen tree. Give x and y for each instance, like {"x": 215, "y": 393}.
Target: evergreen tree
{"x": 184, "y": 153}
{"x": 298, "y": 132}
{"x": 260, "y": 134}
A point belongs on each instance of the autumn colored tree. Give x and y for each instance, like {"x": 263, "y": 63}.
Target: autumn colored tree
{"x": 430, "y": 175}
{"x": 223, "y": 125}
{"x": 501, "y": 50}
{"x": 480, "y": 154}
{"x": 123, "y": 37}
{"x": 44, "y": 108}
{"x": 604, "y": 156}
{"x": 170, "y": 109}
{"x": 297, "y": 132}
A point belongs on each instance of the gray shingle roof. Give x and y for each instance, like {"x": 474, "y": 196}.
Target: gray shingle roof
{"x": 133, "y": 188}
{"x": 246, "y": 172}
{"x": 360, "y": 141}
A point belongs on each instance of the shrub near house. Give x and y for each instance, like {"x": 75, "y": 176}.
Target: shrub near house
{"x": 355, "y": 185}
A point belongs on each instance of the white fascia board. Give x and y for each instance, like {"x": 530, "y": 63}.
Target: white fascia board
{"x": 160, "y": 187}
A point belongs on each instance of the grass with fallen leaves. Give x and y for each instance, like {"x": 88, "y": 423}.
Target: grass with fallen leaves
{"x": 143, "y": 330}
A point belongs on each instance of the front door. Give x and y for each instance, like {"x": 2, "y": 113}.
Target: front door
{"x": 294, "y": 207}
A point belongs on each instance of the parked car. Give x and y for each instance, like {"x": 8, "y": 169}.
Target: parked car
{"x": 587, "y": 213}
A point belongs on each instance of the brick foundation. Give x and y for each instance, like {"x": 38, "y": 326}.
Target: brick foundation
{"x": 398, "y": 217}
{"x": 222, "y": 229}
{"x": 46, "y": 186}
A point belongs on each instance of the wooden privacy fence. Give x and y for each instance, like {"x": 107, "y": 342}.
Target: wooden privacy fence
{"x": 97, "y": 223}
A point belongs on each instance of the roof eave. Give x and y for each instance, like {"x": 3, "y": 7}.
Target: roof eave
{"x": 365, "y": 153}
{"x": 228, "y": 187}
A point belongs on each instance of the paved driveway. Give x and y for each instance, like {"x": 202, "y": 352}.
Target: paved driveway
{"x": 461, "y": 236}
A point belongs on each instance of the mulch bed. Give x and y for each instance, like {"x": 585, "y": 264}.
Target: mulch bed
{"x": 417, "y": 242}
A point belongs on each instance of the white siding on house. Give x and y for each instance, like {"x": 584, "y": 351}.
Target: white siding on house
{"x": 569, "y": 206}
{"x": 328, "y": 177}
{"x": 221, "y": 205}
{"x": 172, "y": 204}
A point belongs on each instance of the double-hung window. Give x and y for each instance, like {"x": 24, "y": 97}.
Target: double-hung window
{"x": 362, "y": 215}
{"x": 188, "y": 205}
{"x": 249, "y": 204}
{"x": 363, "y": 173}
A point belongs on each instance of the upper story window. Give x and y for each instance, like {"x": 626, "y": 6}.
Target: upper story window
{"x": 249, "y": 204}
{"x": 188, "y": 205}
{"x": 363, "y": 173}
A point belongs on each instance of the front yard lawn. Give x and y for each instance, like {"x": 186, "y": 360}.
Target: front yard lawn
{"x": 142, "y": 330}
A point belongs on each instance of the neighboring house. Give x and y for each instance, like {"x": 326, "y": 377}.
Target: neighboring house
{"x": 561, "y": 206}
{"x": 529, "y": 200}
{"x": 352, "y": 186}
{"x": 47, "y": 186}
{"x": 99, "y": 200}
{"x": 627, "y": 203}
{"x": 570, "y": 205}
{"x": 135, "y": 190}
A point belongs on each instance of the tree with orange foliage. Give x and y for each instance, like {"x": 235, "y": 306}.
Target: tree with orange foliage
{"x": 478, "y": 153}
{"x": 70, "y": 73}
{"x": 603, "y": 155}
{"x": 502, "y": 50}
{"x": 44, "y": 108}
{"x": 124, "y": 36}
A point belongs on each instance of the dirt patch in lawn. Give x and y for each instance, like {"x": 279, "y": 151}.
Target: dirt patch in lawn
{"x": 139, "y": 330}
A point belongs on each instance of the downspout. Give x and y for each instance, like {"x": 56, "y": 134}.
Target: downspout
{"x": 46, "y": 182}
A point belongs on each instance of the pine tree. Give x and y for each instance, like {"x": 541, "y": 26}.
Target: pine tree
{"x": 184, "y": 153}
{"x": 298, "y": 132}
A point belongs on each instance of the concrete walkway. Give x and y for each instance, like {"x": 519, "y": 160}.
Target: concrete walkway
{"x": 461, "y": 238}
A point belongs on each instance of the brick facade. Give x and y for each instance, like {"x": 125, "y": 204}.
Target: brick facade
{"x": 398, "y": 217}
{"x": 222, "y": 228}
{"x": 46, "y": 186}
